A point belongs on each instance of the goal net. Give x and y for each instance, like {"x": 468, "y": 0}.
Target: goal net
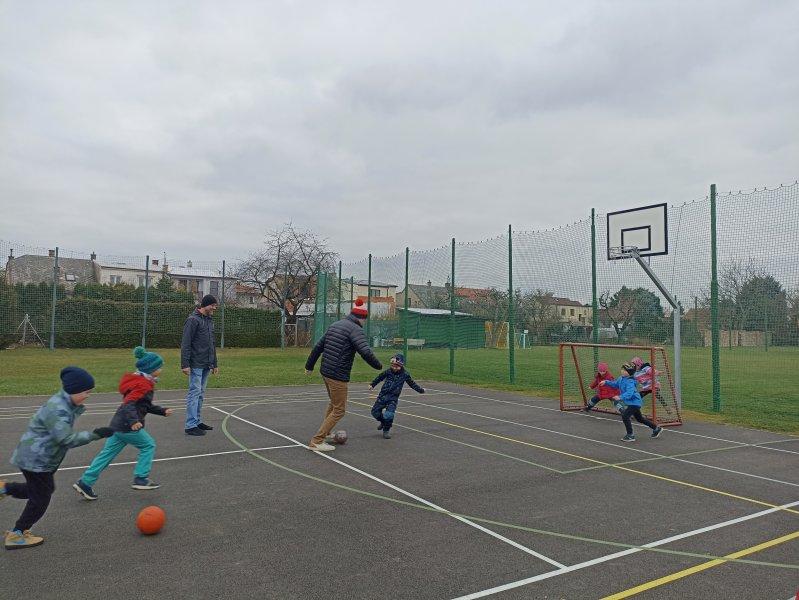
{"x": 579, "y": 369}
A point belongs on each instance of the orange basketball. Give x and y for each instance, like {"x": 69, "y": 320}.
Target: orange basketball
{"x": 150, "y": 520}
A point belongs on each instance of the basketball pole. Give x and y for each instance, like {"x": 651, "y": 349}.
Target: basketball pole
{"x": 677, "y": 336}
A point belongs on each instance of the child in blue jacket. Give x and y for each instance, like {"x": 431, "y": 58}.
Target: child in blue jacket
{"x": 386, "y": 404}
{"x": 628, "y": 394}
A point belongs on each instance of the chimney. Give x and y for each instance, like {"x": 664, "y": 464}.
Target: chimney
{"x": 188, "y": 264}
{"x": 51, "y": 253}
{"x": 429, "y": 283}
{"x": 93, "y": 256}
{"x": 155, "y": 262}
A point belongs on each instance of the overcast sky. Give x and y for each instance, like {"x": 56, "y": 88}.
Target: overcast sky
{"x": 193, "y": 127}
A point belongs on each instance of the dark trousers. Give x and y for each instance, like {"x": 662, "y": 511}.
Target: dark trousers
{"x": 37, "y": 490}
{"x": 635, "y": 411}
{"x": 389, "y": 405}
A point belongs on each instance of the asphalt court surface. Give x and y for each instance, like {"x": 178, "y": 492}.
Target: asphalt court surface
{"x": 551, "y": 504}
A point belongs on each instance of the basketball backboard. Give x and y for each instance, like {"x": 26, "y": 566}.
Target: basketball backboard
{"x": 644, "y": 228}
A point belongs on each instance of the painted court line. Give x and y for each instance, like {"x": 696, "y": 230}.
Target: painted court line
{"x": 406, "y": 493}
{"x": 594, "y": 416}
{"x": 615, "y": 555}
{"x": 702, "y": 567}
{"x": 133, "y": 462}
{"x": 604, "y": 443}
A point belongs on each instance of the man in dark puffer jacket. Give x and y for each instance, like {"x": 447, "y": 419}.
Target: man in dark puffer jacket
{"x": 337, "y": 348}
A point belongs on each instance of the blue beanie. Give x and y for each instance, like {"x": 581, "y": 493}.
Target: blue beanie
{"x": 75, "y": 380}
{"x": 147, "y": 361}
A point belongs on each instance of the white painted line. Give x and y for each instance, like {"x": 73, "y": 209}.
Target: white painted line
{"x": 133, "y": 462}
{"x": 615, "y": 555}
{"x": 406, "y": 493}
{"x": 602, "y": 442}
{"x": 593, "y": 416}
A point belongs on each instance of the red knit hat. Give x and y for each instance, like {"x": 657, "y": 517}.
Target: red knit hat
{"x": 359, "y": 310}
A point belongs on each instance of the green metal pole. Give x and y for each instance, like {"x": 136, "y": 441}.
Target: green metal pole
{"x": 714, "y": 305}
{"x": 222, "y": 308}
{"x": 369, "y": 303}
{"x": 352, "y": 292}
{"x": 338, "y": 305}
{"x": 511, "y": 311}
{"x": 55, "y": 298}
{"x": 594, "y": 301}
{"x": 324, "y": 301}
{"x": 405, "y": 315}
{"x": 144, "y": 309}
{"x": 452, "y": 314}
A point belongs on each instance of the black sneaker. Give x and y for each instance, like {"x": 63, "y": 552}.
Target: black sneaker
{"x": 84, "y": 490}
{"x": 195, "y": 431}
{"x": 656, "y": 431}
{"x": 628, "y": 438}
{"x": 142, "y": 483}
{"x": 386, "y": 434}
{"x": 205, "y": 427}
{"x": 380, "y": 427}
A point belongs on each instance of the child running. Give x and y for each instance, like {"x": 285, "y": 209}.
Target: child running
{"x": 628, "y": 394}
{"x": 137, "y": 391}
{"x": 603, "y": 393}
{"x": 385, "y": 406}
{"x": 42, "y": 448}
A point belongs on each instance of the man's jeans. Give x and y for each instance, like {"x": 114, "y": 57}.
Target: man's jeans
{"x": 198, "y": 381}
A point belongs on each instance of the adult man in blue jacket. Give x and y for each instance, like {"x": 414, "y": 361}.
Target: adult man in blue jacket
{"x": 197, "y": 360}
{"x": 337, "y": 348}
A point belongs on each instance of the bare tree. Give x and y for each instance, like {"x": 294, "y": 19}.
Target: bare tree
{"x": 733, "y": 277}
{"x": 285, "y": 270}
{"x": 537, "y": 311}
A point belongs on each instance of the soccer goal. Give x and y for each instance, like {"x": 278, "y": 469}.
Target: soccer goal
{"x": 578, "y": 371}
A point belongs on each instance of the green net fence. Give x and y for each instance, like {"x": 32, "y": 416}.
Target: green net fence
{"x": 495, "y": 312}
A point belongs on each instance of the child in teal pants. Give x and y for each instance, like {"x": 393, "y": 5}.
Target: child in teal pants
{"x": 137, "y": 391}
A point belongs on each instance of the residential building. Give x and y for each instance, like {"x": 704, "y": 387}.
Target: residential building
{"x": 35, "y": 269}
{"x": 570, "y": 311}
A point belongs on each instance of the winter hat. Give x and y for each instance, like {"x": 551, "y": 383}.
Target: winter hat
{"x": 398, "y": 359}
{"x": 629, "y": 368}
{"x": 637, "y": 362}
{"x": 75, "y": 380}
{"x": 359, "y": 310}
{"x": 208, "y": 300}
{"x": 147, "y": 361}
{"x": 602, "y": 367}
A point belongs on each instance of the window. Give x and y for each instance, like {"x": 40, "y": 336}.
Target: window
{"x": 376, "y": 293}
{"x": 70, "y": 277}
{"x": 572, "y": 312}
{"x": 195, "y": 286}
{"x": 182, "y": 284}
{"x": 115, "y": 279}
{"x": 252, "y": 299}
{"x": 562, "y": 312}
{"x": 142, "y": 280}
{"x": 215, "y": 288}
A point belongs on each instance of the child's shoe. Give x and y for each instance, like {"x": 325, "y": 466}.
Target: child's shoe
{"x": 591, "y": 404}
{"x": 380, "y": 427}
{"x": 142, "y": 483}
{"x": 84, "y": 490}
{"x": 386, "y": 434}
{"x": 656, "y": 431}
{"x": 16, "y": 540}
{"x": 628, "y": 438}
{"x": 323, "y": 447}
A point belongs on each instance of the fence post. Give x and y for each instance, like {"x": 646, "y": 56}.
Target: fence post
{"x": 594, "y": 300}
{"x": 511, "y": 311}
{"x": 55, "y": 297}
{"x": 324, "y": 301}
{"x": 284, "y": 299}
{"x": 222, "y": 308}
{"x": 714, "y": 304}
{"x": 452, "y": 314}
{"x": 146, "y": 291}
{"x": 352, "y": 292}
{"x": 405, "y": 312}
{"x": 369, "y": 303}
{"x": 338, "y": 304}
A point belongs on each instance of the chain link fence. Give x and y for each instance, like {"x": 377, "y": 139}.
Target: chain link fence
{"x": 488, "y": 312}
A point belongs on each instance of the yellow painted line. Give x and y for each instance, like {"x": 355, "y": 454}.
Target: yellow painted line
{"x": 702, "y": 567}
{"x": 598, "y": 462}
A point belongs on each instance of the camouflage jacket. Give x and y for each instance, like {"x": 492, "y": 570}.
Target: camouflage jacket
{"x": 49, "y": 435}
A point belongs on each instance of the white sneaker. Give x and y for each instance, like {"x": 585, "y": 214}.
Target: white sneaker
{"x": 323, "y": 447}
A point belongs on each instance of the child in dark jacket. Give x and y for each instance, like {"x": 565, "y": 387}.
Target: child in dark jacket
{"x": 628, "y": 394}
{"x": 602, "y": 392}
{"x": 137, "y": 391}
{"x": 385, "y": 406}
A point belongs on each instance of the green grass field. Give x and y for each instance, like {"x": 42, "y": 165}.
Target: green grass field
{"x": 758, "y": 388}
